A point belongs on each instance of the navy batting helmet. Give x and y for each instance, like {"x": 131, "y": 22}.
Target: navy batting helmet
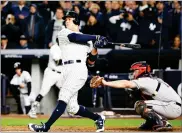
{"x": 74, "y": 15}
{"x": 17, "y": 65}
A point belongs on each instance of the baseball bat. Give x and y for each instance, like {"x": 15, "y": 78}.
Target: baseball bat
{"x": 94, "y": 96}
{"x": 94, "y": 92}
{"x": 128, "y": 45}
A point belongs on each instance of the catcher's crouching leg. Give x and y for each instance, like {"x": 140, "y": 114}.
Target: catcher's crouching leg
{"x": 153, "y": 122}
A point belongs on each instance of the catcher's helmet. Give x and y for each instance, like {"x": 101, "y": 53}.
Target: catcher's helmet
{"x": 17, "y": 65}
{"x": 143, "y": 68}
{"x": 72, "y": 14}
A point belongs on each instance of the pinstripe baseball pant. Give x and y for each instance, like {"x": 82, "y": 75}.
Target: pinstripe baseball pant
{"x": 73, "y": 79}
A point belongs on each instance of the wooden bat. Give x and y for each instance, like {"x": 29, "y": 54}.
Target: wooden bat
{"x": 128, "y": 45}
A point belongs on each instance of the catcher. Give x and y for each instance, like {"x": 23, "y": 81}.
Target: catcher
{"x": 166, "y": 103}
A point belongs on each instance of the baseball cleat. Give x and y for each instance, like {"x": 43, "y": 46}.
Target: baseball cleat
{"x": 145, "y": 126}
{"x": 33, "y": 112}
{"x": 38, "y": 128}
{"x": 167, "y": 127}
{"x": 100, "y": 124}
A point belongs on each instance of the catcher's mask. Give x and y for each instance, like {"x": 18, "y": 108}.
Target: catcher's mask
{"x": 74, "y": 15}
{"x": 142, "y": 67}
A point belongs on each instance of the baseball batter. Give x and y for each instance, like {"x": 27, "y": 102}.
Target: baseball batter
{"x": 52, "y": 75}
{"x": 166, "y": 103}
{"x": 74, "y": 47}
{"x": 22, "y": 81}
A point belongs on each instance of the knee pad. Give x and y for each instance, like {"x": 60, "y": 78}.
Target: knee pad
{"x": 140, "y": 107}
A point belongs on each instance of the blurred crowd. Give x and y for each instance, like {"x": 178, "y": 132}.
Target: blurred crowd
{"x": 35, "y": 24}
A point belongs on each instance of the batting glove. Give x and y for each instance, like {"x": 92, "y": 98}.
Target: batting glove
{"x": 100, "y": 42}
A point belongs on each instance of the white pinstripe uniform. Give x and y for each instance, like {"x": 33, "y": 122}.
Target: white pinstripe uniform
{"x": 75, "y": 74}
{"x": 52, "y": 73}
{"x": 24, "y": 78}
{"x": 165, "y": 98}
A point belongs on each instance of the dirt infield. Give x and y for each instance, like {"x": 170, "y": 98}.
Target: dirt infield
{"x": 80, "y": 129}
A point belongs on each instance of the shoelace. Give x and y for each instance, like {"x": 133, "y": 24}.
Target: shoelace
{"x": 40, "y": 126}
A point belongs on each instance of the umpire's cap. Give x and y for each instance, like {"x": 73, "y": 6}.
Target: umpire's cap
{"x": 72, "y": 14}
{"x": 17, "y": 65}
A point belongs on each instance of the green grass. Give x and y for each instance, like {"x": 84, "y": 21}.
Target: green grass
{"x": 78, "y": 122}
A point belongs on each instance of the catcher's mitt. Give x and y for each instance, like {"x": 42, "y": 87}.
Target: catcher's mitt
{"x": 96, "y": 81}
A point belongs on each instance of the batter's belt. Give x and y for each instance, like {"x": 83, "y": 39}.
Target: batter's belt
{"x": 65, "y": 63}
{"x": 178, "y": 104}
{"x": 70, "y": 62}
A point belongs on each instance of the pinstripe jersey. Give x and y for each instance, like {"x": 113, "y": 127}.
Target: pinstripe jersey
{"x": 24, "y": 78}
{"x": 70, "y": 50}
{"x": 74, "y": 75}
{"x": 54, "y": 54}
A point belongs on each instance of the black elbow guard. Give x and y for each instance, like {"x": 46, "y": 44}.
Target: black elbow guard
{"x": 92, "y": 58}
{"x": 29, "y": 86}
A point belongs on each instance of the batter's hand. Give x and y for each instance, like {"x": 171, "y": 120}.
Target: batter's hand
{"x": 96, "y": 81}
{"x": 50, "y": 44}
{"x": 100, "y": 42}
{"x": 22, "y": 85}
